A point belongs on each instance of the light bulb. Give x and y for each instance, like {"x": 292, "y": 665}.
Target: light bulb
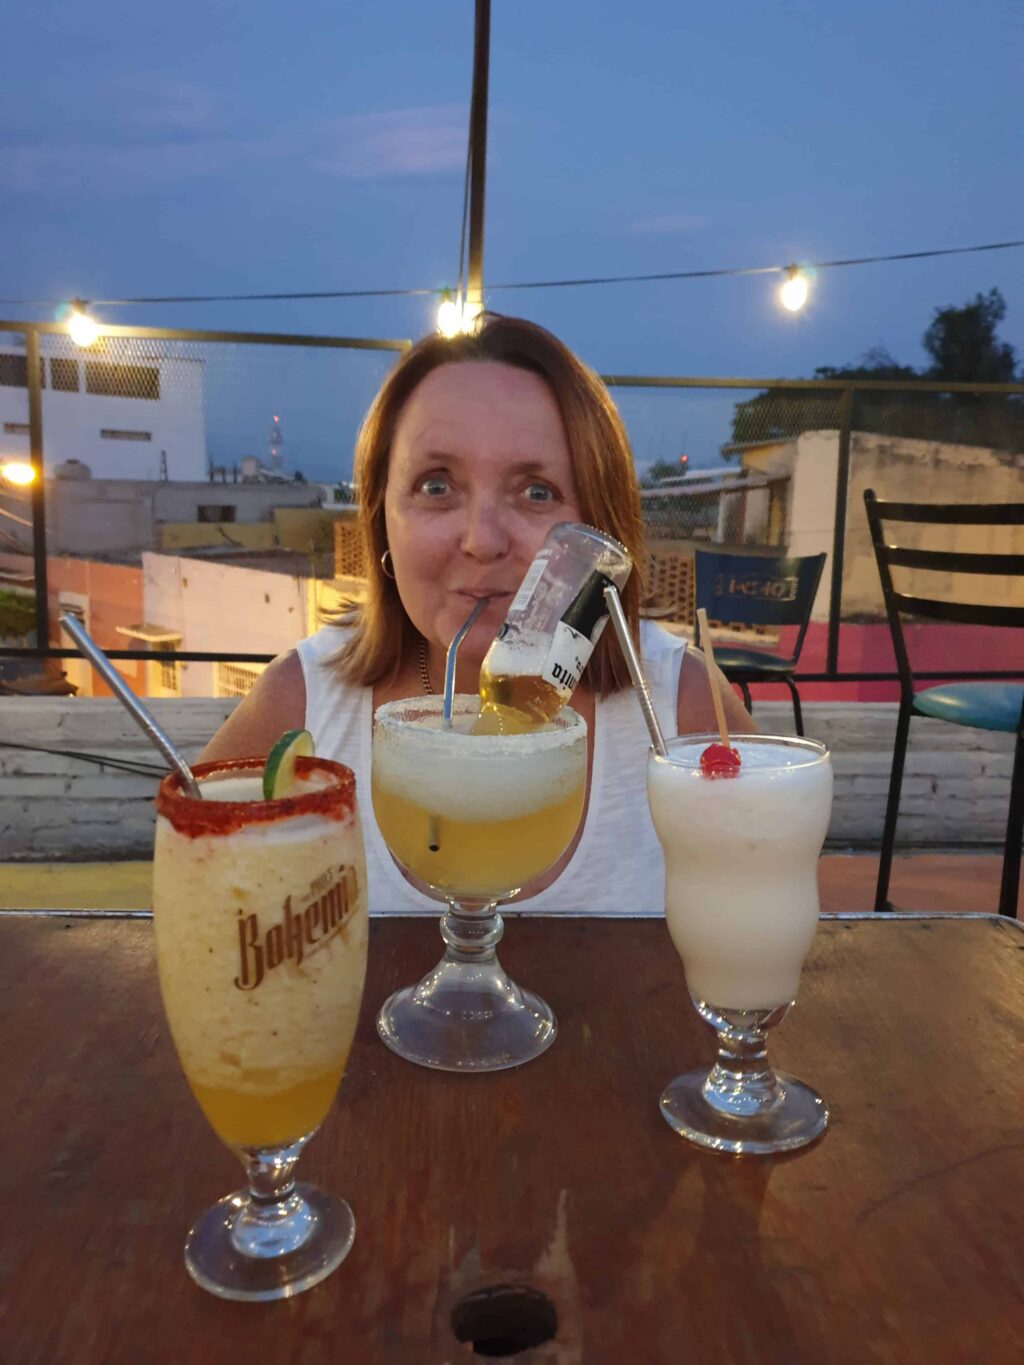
{"x": 18, "y": 472}
{"x": 457, "y": 315}
{"x": 82, "y": 329}
{"x": 793, "y": 294}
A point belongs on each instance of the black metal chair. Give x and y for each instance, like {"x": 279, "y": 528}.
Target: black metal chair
{"x": 981, "y": 705}
{"x": 758, "y": 590}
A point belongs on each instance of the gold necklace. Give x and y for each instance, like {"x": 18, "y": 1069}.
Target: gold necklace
{"x": 424, "y": 671}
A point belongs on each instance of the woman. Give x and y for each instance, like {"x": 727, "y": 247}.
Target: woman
{"x": 472, "y": 450}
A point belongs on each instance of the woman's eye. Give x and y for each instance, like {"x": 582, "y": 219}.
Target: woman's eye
{"x": 435, "y": 486}
{"x": 539, "y": 492}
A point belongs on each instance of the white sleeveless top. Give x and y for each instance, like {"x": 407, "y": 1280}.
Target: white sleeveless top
{"x": 617, "y": 865}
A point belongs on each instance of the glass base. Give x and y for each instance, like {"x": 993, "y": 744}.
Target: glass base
{"x": 318, "y": 1236}
{"x": 795, "y": 1117}
{"x": 467, "y": 1016}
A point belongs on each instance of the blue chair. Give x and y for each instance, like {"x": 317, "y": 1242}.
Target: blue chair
{"x": 981, "y": 705}
{"x": 758, "y": 590}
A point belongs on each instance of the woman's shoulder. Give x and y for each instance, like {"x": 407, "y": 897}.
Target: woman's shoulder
{"x": 656, "y": 642}
{"x": 324, "y": 644}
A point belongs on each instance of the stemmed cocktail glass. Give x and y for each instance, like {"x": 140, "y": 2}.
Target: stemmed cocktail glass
{"x": 741, "y": 901}
{"x": 261, "y": 927}
{"x": 475, "y": 817}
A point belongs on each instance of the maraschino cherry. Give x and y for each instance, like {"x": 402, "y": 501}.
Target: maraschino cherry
{"x": 720, "y": 760}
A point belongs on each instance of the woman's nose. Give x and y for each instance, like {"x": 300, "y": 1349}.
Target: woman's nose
{"x": 485, "y": 535}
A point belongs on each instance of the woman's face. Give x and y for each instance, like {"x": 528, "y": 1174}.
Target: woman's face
{"x": 479, "y": 472}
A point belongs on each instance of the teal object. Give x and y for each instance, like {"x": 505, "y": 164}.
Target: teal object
{"x": 985, "y": 706}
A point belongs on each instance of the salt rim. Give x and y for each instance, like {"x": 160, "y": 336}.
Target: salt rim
{"x": 194, "y": 817}
{"x": 393, "y": 717}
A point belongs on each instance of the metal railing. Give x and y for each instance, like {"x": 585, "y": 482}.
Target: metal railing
{"x": 766, "y": 413}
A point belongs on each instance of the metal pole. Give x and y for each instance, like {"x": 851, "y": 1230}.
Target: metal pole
{"x": 835, "y": 604}
{"x": 35, "y": 437}
{"x": 478, "y": 152}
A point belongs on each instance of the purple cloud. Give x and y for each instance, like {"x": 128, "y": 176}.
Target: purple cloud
{"x": 399, "y": 142}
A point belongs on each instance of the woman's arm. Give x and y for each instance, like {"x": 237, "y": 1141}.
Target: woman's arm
{"x": 695, "y": 713}
{"x": 276, "y": 703}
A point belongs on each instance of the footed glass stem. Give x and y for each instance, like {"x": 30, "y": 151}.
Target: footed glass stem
{"x": 466, "y": 1014}
{"x": 274, "y": 1239}
{"x": 742, "y": 1105}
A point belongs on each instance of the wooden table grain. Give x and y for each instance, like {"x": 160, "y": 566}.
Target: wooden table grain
{"x": 897, "y": 1238}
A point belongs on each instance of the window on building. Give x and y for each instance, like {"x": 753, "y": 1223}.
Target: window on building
{"x": 214, "y": 511}
{"x": 116, "y": 434}
{"x": 122, "y": 381}
{"x": 64, "y": 376}
{"x": 14, "y": 371}
{"x": 237, "y": 680}
{"x": 170, "y": 676}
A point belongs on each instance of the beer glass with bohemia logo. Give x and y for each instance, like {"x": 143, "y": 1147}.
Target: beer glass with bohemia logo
{"x": 261, "y": 927}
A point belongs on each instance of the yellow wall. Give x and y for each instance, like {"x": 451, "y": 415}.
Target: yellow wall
{"x": 303, "y": 528}
{"x": 186, "y": 535}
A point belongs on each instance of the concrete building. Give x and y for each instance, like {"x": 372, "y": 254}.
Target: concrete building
{"x": 233, "y": 602}
{"x": 137, "y": 416}
{"x": 101, "y": 517}
{"x": 898, "y": 468}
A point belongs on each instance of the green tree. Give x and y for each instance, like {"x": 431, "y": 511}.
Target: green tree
{"x": 963, "y": 345}
{"x": 660, "y": 469}
{"x": 964, "y": 348}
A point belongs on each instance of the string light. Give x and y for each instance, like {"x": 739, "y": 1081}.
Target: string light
{"x": 456, "y": 315}
{"x": 663, "y": 276}
{"x": 82, "y": 328}
{"x": 793, "y": 294}
{"x": 18, "y": 472}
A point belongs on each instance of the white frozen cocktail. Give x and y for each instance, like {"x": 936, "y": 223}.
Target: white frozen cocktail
{"x": 741, "y": 848}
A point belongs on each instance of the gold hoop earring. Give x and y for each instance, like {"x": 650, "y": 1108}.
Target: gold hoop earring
{"x": 387, "y": 564}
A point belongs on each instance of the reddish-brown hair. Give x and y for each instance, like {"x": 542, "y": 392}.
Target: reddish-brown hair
{"x": 384, "y": 638}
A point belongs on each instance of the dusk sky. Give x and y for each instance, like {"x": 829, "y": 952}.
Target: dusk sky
{"x": 211, "y": 147}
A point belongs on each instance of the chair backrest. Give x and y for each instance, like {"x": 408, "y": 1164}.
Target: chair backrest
{"x": 759, "y": 590}
{"x": 889, "y": 554}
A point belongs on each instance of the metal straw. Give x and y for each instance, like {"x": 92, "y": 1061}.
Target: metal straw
{"x": 449, "y": 661}
{"x": 131, "y": 703}
{"x": 640, "y": 685}
{"x": 447, "y": 701}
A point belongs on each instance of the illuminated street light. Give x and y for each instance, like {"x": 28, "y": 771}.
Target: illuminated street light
{"x": 456, "y": 315}
{"x": 793, "y": 294}
{"x": 17, "y": 472}
{"x": 82, "y": 328}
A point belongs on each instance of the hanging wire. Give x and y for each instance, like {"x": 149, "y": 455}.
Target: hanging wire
{"x": 127, "y": 765}
{"x": 529, "y": 284}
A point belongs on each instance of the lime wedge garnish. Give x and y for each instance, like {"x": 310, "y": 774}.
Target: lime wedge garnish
{"x": 279, "y": 772}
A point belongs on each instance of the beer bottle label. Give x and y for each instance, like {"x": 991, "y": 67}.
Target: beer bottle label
{"x": 588, "y": 611}
{"x": 526, "y": 587}
{"x": 576, "y": 634}
{"x": 567, "y": 658}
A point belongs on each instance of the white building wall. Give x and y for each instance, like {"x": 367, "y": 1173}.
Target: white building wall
{"x": 74, "y": 423}
{"x": 812, "y": 506}
{"x": 229, "y": 608}
{"x": 955, "y": 788}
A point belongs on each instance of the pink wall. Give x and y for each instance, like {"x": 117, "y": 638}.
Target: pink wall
{"x": 868, "y": 648}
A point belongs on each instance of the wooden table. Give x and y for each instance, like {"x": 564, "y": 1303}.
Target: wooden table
{"x": 898, "y": 1238}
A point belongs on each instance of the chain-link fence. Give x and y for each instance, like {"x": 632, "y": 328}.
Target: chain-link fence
{"x": 192, "y": 483}
{"x": 195, "y": 509}
{"x": 775, "y": 470}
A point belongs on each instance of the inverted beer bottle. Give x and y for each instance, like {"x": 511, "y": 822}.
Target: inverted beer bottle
{"x": 555, "y": 620}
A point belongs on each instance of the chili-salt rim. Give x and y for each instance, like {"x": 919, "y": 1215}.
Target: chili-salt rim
{"x": 193, "y": 817}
